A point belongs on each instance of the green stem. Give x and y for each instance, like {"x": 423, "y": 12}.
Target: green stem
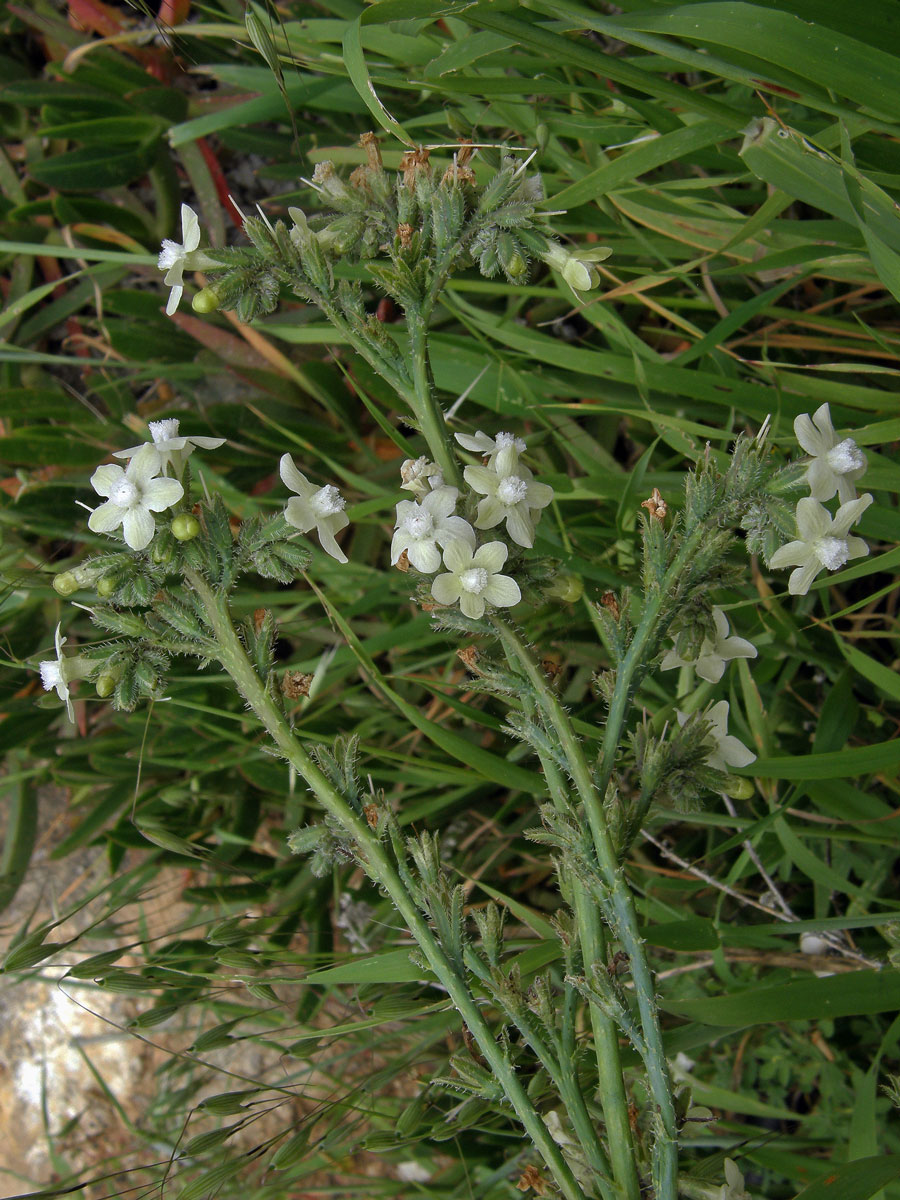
{"x": 428, "y": 411}
{"x": 234, "y": 659}
{"x": 666, "y": 1140}
{"x": 610, "y": 1075}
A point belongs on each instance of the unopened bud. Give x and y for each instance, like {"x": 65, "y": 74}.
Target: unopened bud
{"x": 206, "y": 301}
{"x": 185, "y": 527}
{"x": 106, "y": 585}
{"x": 105, "y": 685}
{"x": 65, "y": 583}
{"x": 738, "y": 788}
{"x": 567, "y": 588}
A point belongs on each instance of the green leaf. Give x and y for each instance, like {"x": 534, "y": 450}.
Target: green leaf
{"x": 855, "y": 993}
{"x": 355, "y": 62}
{"x": 390, "y": 966}
{"x": 856, "y": 1180}
{"x": 91, "y": 168}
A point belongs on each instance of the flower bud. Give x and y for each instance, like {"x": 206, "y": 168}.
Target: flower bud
{"x": 567, "y": 588}
{"x": 106, "y": 585}
{"x": 206, "y": 301}
{"x": 65, "y": 583}
{"x": 105, "y": 685}
{"x": 738, "y": 788}
{"x": 185, "y": 527}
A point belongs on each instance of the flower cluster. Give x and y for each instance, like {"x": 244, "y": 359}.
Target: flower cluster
{"x": 824, "y": 541}
{"x": 504, "y": 491}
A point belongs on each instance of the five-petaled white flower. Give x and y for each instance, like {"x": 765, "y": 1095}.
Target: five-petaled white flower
{"x": 714, "y": 652}
{"x": 134, "y": 495}
{"x": 481, "y": 443}
{"x": 510, "y": 495}
{"x": 172, "y": 256}
{"x": 173, "y": 449}
{"x": 725, "y": 749}
{"x": 419, "y": 476}
{"x": 835, "y": 465}
{"x": 473, "y": 579}
{"x": 823, "y": 543}
{"x": 423, "y": 525}
{"x": 60, "y": 672}
{"x": 319, "y": 507}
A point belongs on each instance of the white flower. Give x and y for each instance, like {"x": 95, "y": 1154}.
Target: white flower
{"x": 425, "y": 524}
{"x": 319, "y": 507}
{"x": 58, "y": 673}
{"x": 578, "y": 270}
{"x": 473, "y": 579}
{"x": 836, "y": 465}
{"x": 134, "y": 495}
{"x": 173, "y": 449}
{"x": 823, "y": 543}
{"x": 480, "y": 443}
{"x": 725, "y": 751}
{"x": 418, "y": 475}
{"x": 172, "y": 257}
{"x": 510, "y": 495}
{"x": 714, "y": 652}
{"x": 813, "y": 943}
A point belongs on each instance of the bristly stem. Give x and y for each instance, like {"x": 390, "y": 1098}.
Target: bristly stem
{"x": 666, "y": 1140}
{"x": 233, "y": 657}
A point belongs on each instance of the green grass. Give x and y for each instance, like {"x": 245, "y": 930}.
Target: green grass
{"x": 752, "y": 273}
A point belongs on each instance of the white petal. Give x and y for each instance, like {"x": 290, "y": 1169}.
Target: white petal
{"x": 821, "y": 480}
{"x": 458, "y": 557}
{"x": 519, "y": 526}
{"x": 424, "y": 556}
{"x": 717, "y": 715}
{"x": 174, "y": 299}
{"x": 710, "y": 667}
{"x": 471, "y": 605}
{"x": 848, "y": 514}
{"x": 145, "y": 464}
{"x": 129, "y": 453}
{"x": 299, "y": 514}
{"x": 809, "y": 437}
{"x": 735, "y": 753}
{"x": 721, "y": 623}
{"x": 160, "y": 494}
{"x": 445, "y": 589}
{"x": 138, "y": 527}
{"x": 791, "y": 555}
{"x": 481, "y": 479}
{"x": 441, "y": 502}
{"x": 106, "y": 518}
{"x": 857, "y": 548}
{"x": 325, "y": 530}
{"x": 207, "y": 443}
{"x": 190, "y": 228}
{"x": 735, "y": 647}
{"x": 813, "y": 521}
{"x": 490, "y": 513}
{"x": 106, "y": 477}
{"x": 491, "y": 556}
{"x": 455, "y": 528}
{"x": 538, "y": 495}
{"x": 294, "y": 479}
{"x": 800, "y": 580}
{"x": 401, "y": 541}
{"x": 478, "y": 443}
{"x": 503, "y": 591}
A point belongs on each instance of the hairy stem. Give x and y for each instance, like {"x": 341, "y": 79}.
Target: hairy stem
{"x": 428, "y": 411}
{"x": 665, "y": 1143}
{"x": 233, "y": 657}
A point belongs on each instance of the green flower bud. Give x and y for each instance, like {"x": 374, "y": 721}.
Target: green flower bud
{"x": 161, "y": 551}
{"x": 105, "y": 685}
{"x": 206, "y": 301}
{"x": 567, "y": 588}
{"x": 106, "y": 585}
{"x": 738, "y": 788}
{"x": 185, "y": 527}
{"x": 65, "y": 583}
